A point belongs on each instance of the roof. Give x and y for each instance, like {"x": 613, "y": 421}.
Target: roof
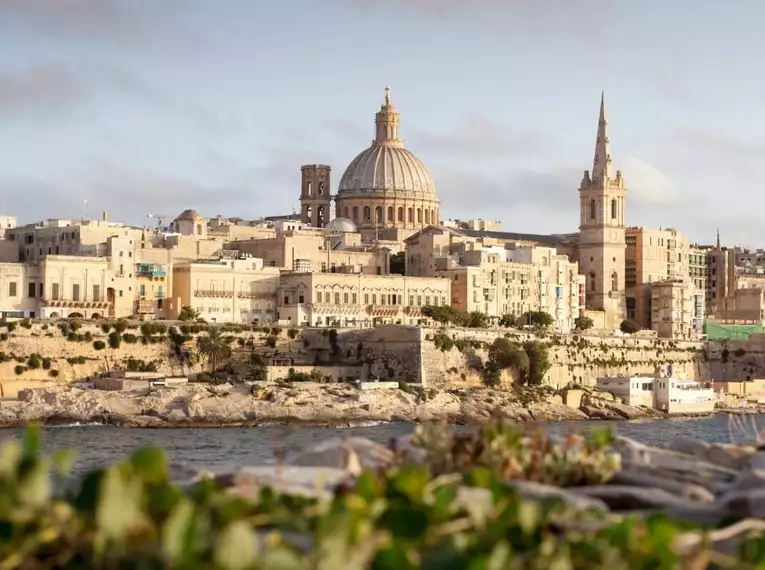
{"x": 189, "y": 215}
{"x": 553, "y": 239}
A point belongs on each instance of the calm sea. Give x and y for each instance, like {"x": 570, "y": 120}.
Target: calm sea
{"x": 217, "y": 449}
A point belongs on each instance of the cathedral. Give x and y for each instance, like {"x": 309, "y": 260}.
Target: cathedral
{"x": 386, "y": 191}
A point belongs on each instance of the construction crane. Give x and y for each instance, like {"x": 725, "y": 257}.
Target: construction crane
{"x": 159, "y": 217}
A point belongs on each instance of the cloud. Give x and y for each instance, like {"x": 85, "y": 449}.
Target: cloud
{"x": 478, "y": 137}
{"x": 48, "y": 88}
{"x": 716, "y": 143}
{"x": 648, "y": 186}
{"x": 116, "y": 21}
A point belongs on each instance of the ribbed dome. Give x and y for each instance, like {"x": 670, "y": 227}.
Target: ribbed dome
{"x": 343, "y": 225}
{"x": 386, "y": 167}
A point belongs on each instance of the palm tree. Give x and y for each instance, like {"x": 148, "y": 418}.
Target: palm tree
{"x": 214, "y": 347}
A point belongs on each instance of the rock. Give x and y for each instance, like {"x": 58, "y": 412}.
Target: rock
{"x": 661, "y": 481}
{"x": 755, "y": 460}
{"x": 405, "y": 447}
{"x": 744, "y": 503}
{"x": 554, "y": 412}
{"x": 353, "y": 454}
{"x": 688, "y": 445}
{"x": 316, "y": 482}
{"x": 624, "y": 411}
{"x": 731, "y": 455}
{"x": 749, "y": 479}
{"x": 628, "y": 498}
{"x": 594, "y": 413}
{"x": 539, "y": 492}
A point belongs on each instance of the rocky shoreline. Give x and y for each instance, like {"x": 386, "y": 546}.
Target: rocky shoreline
{"x": 324, "y": 405}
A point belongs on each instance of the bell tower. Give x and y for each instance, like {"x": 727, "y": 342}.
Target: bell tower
{"x": 315, "y": 198}
{"x": 602, "y": 247}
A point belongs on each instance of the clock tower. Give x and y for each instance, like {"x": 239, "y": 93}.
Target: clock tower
{"x": 602, "y": 202}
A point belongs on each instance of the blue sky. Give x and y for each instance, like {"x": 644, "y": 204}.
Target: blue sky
{"x": 155, "y": 106}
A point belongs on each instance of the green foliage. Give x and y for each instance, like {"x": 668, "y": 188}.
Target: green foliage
{"x": 115, "y": 339}
{"x": 504, "y": 355}
{"x": 539, "y": 319}
{"x": 405, "y": 387}
{"x": 26, "y": 323}
{"x": 446, "y": 315}
{"x": 46, "y": 363}
{"x": 128, "y": 338}
{"x": 258, "y": 373}
{"x": 11, "y": 327}
{"x": 539, "y": 362}
{"x": 292, "y": 333}
{"x": 188, "y": 314}
{"x": 215, "y": 347}
{"x": 583, "y": 323}
{"x": 739, "y": 352}
{"x": 120, "y": 326}
{"x": 53, "y": 373}
{"x": 99, "y": 344}
{"x": 131, "y": 515}
{"x": 629, "y": 327}
{"x": 725, "y": 355}
{"x": 508, "y": 321}
{"x": 106, "y": 327}
{"x": 137, "y": 365}
{"x": 19, "y": 369}
{"x": 271, "y": 341}
{"x": 76, "y": 360}
{"x": 34, "y": 362}
{"x": 75, "y": 325}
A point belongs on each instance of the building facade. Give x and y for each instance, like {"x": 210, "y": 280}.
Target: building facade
{"x": 677, "y": 309}
{"x": 227, "y": 290}
{"x": 602, "y": 206}
{"x": 342, "y": 300}
{"x": 315, "y": 195}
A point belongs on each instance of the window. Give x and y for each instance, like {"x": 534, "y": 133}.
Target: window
{"x": 378, "y": 214}
{"x": 321, "y": 188}
{"x": 419, "y": 215}
{"x": 366, "y": 298}
{"x": 75, "y": 292}
{"x": 318, "y": 296}
{"x": 390, "y": 213}
{"x": 41, "y": 290}
{"x": 614, "y": 282}
{"x": 593, "y": 209}
{"x": 160, "y": 292}
{"x": 355, "y": 299}
{"x": 374, "y": 299}
{"x": 54, "y": 293}
{"x": 301, "y": 297}
{"x": 12, "y": 289}
{"x": 308, "y": 188}
{"x": 367, "y": 213}
{"x": 410, "y": 215}
{"x": 337, "y": 298}
{"x": 401, "y": 214}
{"x": 427, "y": 216}
{"x": 97, "y": 293}
{"x": 345, "y": 212}
{"x": 355, "y": 212}
{"x": 141, "y": 290}
{"x": 345, "y": 298}
{"x": 31, "y": 289}
{"x": 613, "y": 209}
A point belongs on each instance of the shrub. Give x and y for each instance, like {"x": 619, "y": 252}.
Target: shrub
{"x": 53, "y": 373}
{"x": 129, "y": 338}
{"x": 271, "y": 341}
{"x": 19, "y": 369}
{"x": 75, "y": 325}
{"x": 583, "y": 323}
{"x": 405, "y": 387}
{"x": 106, "y": 327}
{"x": 34, "y": 362}
{"x": 4, "y": 357}
{"x": 115, "y": 339}
{"x": 88, "y": 336}
{"x": 72, "y": 337}
{"x": 11, "y": 327}
{"x": 26, "y": 324}
{"x": 739, "y": 352}
{"x": 46, "y": 363}
{"x": 629, "y": 326}
{"x": 99, "y": 344}
{"x": 3, "y": 337}
{"x": 121, "y": 326}
{"x": 76, "y": 360}
{"x": 292, "y": 333}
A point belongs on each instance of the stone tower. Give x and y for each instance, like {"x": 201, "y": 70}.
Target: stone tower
{"x": 602, "y": 202}
{"x": 315, "y": 198}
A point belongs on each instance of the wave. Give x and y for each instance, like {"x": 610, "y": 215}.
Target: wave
{"x": 74, "y": 424}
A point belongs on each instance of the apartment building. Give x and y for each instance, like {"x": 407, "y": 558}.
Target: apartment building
{"x": 677, "y": 309}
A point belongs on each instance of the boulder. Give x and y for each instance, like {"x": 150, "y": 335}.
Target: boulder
{"x": 540, "y": 492}
{"x": 353, "y": 454}
{"x": 628, "y": 497}
{"x": 688, "y": 445}
{"x": 317, "y": 482}
{"x": 745, "y": 503}
{"x": 594, "y": 413}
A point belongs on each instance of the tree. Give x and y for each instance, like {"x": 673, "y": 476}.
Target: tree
{"x": 442, "y": 314}
{"x": 508, "y": 321}
{"x": 629, "y": 327}
{"x": 539, "y": 362}
{"x": 188, "y": 314}
{"x": 478, "y": 320}
{"x": 503, "y": 355}
{"x": 539, "y": 319}
{"x": 214, "y": 346}
{"x": 583, "y": 323}
{"x": 398, "y": 263}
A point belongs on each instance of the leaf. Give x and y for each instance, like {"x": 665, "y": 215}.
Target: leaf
{"x": 529, "y": 516}
{"x": 35, "y": 485}
{"x": 281, "y": 558}
{"x": 178, "y": 534}
{"x": 119, "y": 505}
{"x": 63, "y": 460}
{"x": 10, "y": 457}
{"x": 235, "y": 547}
{"x": 151, "y": 464}
{"x": 411, "y": 481}
{"x": 32, "y": 442}
{"x": 405, "y": 522}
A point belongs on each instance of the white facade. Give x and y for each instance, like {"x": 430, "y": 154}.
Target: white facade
{"x": 632, "y": 390}
{"x": 667, "y": 394}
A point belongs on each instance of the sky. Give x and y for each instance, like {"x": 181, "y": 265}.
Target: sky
{"x": 155, "y": 106}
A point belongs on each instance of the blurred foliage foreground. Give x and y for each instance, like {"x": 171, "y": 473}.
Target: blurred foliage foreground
{"x": 410, "y": 515}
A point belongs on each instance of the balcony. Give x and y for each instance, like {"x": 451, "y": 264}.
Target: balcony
{"x": 63, "y": 303}
{"x": 213, "y": 294}
{"x": 151, "y": 270}
{"x": 383, "y": 310}
{"x": 145, "y": 306}
{"x": 254, "y": 295}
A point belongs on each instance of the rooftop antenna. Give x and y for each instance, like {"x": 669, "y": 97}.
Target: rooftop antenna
{"x": 85, "y": 211}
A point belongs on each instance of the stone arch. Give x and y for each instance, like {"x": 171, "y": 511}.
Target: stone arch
{"x": 419, "y": 215}
{"x": 400, "y": 214}
{"x": 613, "y": 209}
{"x": 95, "y": 316}
{"x": 614, "y": 282}
{"x": 378, "y": 214}
{"x": 593, "y": 210}
{"x": 427, "y": 216}
{"x": 54, "y": 315}
{"x": 355, "y": 212}
{"x": 410, "y": 216}
{"x": 76, "y": 315}
{"x": 390, "y": 213}
{"x": 367, "y": 213}
{"x": 345, "y": 212}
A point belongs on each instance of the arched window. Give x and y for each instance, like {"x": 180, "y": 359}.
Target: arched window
{"x": 390, "y": 213}
{"x": 345, "y": 212}
{"x": 320, "y": 215}
{"x": 378, "y": 214}
{"x": 614, "y": 282}
{"x": 593, "y": 209}
{"x": 419, "y": 215}
{"x": 410, "y": 215}
{"x": 367, "y": 213}
{"x": 613, "y": 209}
{"x": 321, "y": 188}
{"x": 308, "y": 188}
{"x": 355, "y": 212}
{"x": 199, "y": 229}
{"x": 401, "y": 214}
{"x": 427, "y": 216}
{"x": 433, "y": 217}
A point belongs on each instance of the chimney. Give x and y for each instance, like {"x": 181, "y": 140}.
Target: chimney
{"x": 105, "y": 216}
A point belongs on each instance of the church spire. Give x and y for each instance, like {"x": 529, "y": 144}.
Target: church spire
{"x": 601, "y": 165}
{"x": 386, "y": 121}
{"x": 718, "y": 239}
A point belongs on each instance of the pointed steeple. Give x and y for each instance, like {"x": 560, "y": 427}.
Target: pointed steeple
{"x": 718, "y": 239}
{"x": 601, "y": 165}
{"x": 386, "y": 123}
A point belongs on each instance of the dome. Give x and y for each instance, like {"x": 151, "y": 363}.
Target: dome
{"x": 189, "y": 215}
{"x": 386, "y": 167}
{"x": 343, "y": 225}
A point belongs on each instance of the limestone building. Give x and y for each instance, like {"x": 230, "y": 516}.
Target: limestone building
{"x": 677, "y": 310}
{"x": 227, "y": 290}
{"x": 342, "y": 300}
{"x": 315, "y": 196}
{"x": 386, "y": 186}
{"x": 602, "y": 205}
